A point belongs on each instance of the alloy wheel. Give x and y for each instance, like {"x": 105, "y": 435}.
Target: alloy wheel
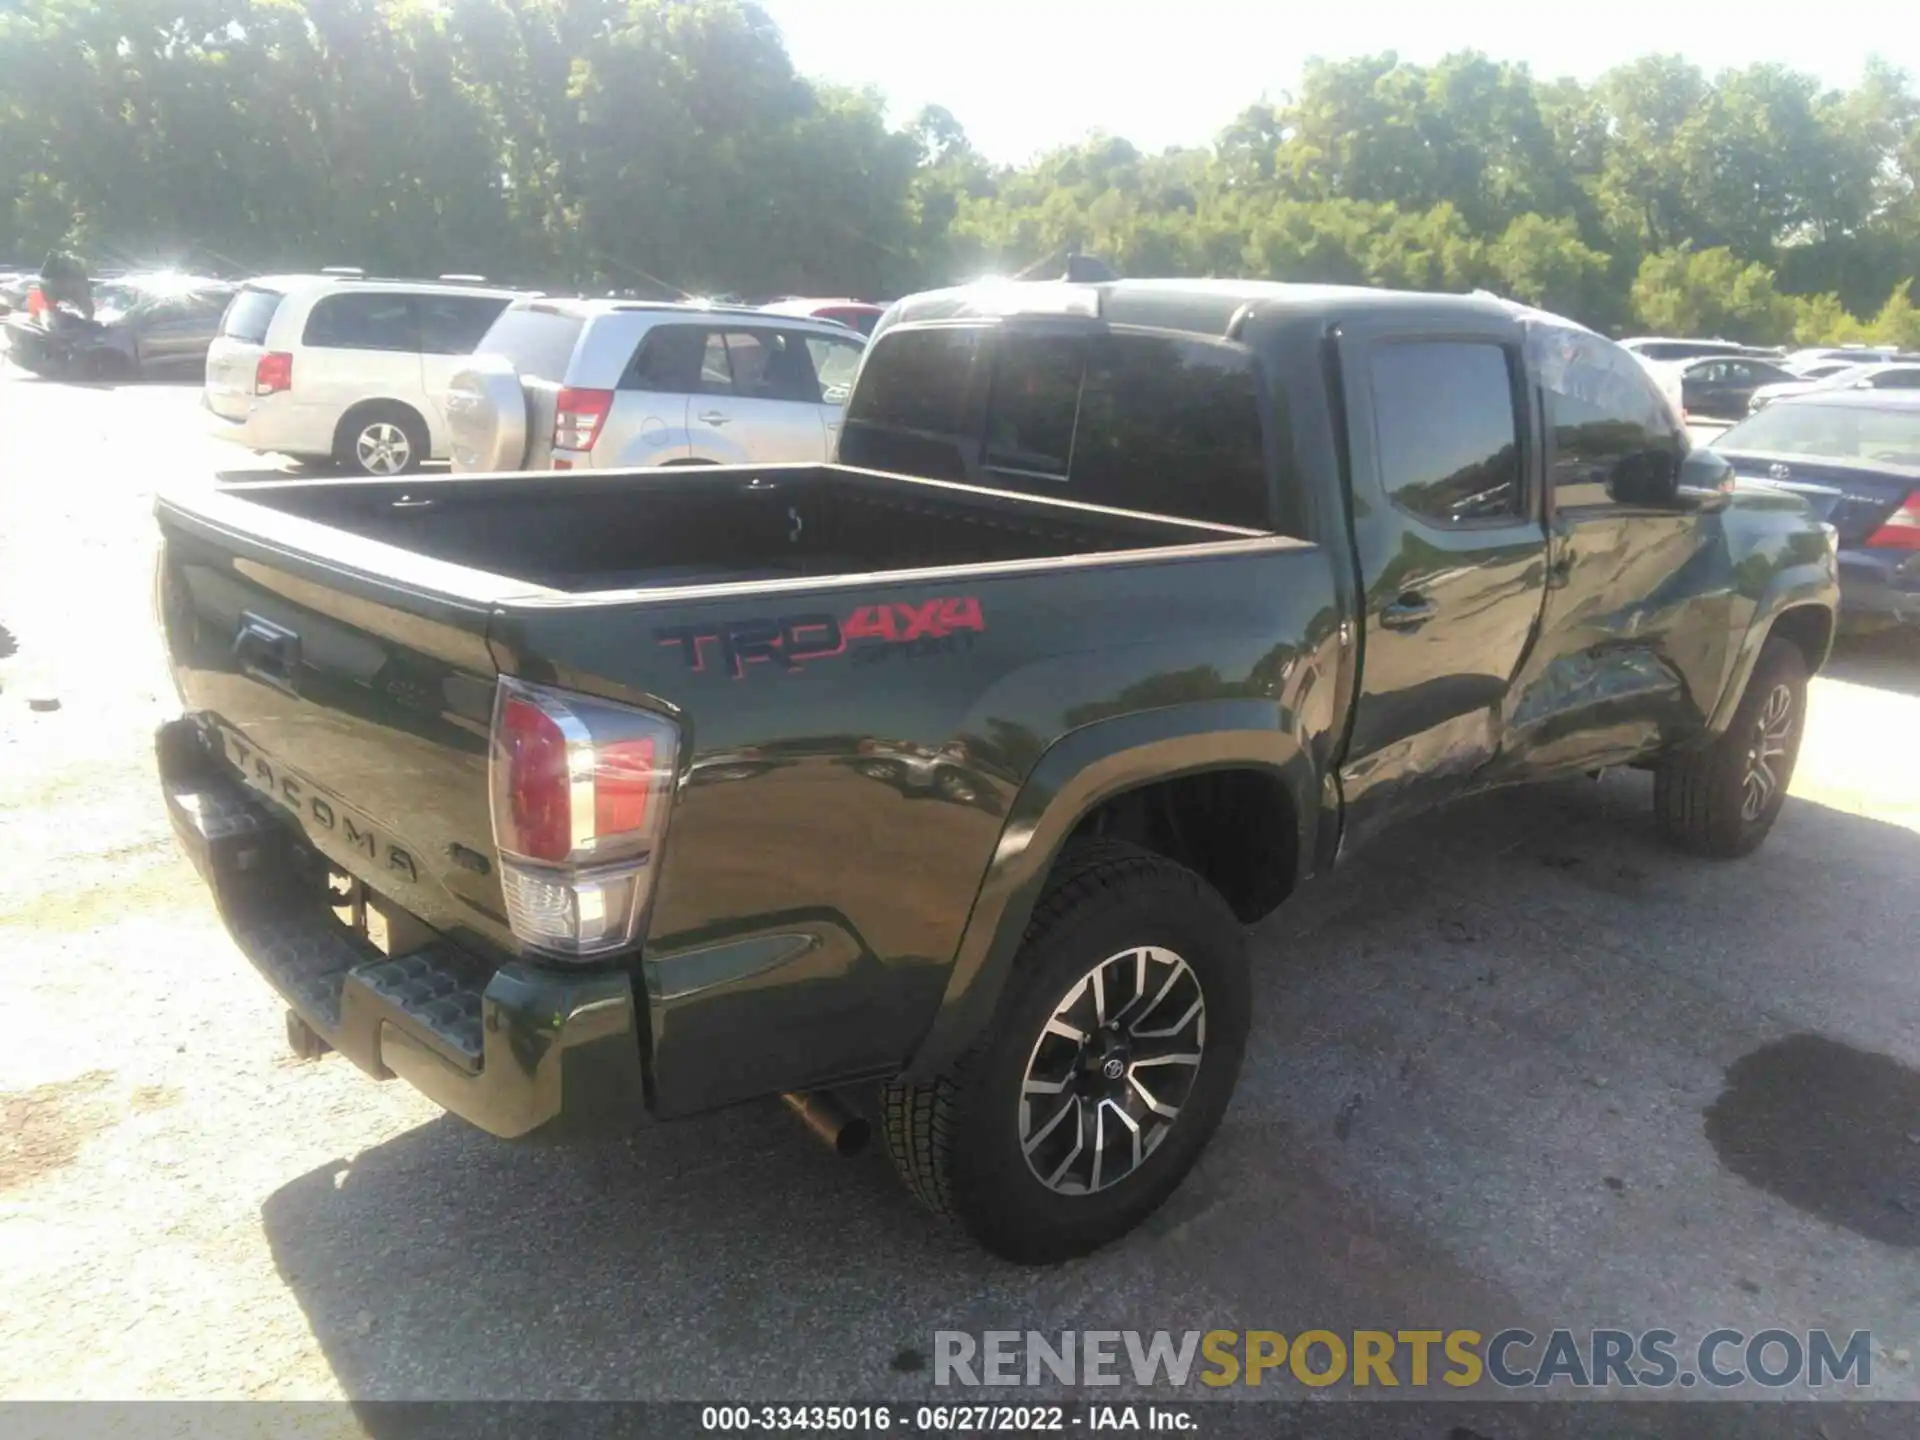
{"x": 382, "y": 448}
{"x": 1111, "y": 1070}
{"x": 1772, "y": 734}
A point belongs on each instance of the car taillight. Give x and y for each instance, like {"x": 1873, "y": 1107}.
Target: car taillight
{"x": 272, "y": 373}
{"x": 36, "y": 301}
{"x": 578, "y": 416}
{"x": 581, "y": 791}
{"x": 1902, "y": 528}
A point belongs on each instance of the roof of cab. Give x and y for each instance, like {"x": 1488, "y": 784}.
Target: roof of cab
{"x": 1198, "y": 307}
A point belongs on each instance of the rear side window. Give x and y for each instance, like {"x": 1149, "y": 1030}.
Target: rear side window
{"x": 1172, "y": 426}
{"x": 454, "y": 324}
{"x": 908, "y": 411}
{"x": 1445, "y": 430}
{"x": 539, "y": 342}
{"x": 361, "y": 321}
{"x": 249, "y": 315}
{"x": 669, "y": 360}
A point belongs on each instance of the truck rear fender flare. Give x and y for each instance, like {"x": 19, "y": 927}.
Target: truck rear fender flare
{"x": 1080, "y": 772}
{"x": 1800, "y": 602}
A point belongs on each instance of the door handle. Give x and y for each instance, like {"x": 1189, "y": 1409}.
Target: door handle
{"x": 1409, "y": 612}
{"x": 712, "y": 417}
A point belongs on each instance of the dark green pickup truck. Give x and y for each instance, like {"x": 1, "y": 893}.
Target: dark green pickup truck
{"x": 959, "y": 766}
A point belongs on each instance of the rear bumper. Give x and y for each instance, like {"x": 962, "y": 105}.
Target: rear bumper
{"x": 514, "y": 1050}
{"x": 287, "y": 430}
{"x": 1879, "y": 588}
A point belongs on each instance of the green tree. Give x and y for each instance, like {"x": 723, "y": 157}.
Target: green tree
{"x": 1710, "y": 292}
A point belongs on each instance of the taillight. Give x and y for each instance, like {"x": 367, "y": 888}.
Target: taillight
{"x": 1902, "y": 529}
{"x": 581, "y": 790}
{"x": 272, "y": 373}
{"x": 36, "y": 301}
{"x": 578, "y": 416}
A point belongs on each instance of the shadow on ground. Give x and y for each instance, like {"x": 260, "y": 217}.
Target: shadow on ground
{"x": 732, "y": 1257}
{"x": 1886, "y": 661}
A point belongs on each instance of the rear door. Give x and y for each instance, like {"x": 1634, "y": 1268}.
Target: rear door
{"x": 236, "y": 350}
{"x": 757, "y": 400}
{"x": 1453, "y": 556}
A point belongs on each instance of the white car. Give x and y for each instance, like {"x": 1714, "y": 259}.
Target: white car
{"x": 1891, "y": 375}
{"x": 344, "y": 368}
{"x": 614, "y": 384}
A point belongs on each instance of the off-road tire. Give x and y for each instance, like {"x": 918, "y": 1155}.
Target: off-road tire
{"x": 1698, "y": 793}
{"x": 956, "y": 1142}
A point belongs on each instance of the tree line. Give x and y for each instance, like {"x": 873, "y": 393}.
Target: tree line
{"x": 669, "y": 146}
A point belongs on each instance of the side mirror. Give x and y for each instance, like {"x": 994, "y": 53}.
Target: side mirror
{"x": 1650, "y": 478}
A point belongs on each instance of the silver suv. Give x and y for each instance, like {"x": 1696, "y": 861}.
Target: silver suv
{"x": 612, "y": 384}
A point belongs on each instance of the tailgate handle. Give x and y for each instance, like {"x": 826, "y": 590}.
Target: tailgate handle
{"x": 268, "y": 652}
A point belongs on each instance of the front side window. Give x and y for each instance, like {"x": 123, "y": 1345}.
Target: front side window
{"x": 757, "y": 365}
{"x": 1603, "y": 411}
{"x": 1445, "y": 429}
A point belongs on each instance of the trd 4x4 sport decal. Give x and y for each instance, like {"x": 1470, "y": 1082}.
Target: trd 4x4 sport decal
{"x": 871, "y": 632}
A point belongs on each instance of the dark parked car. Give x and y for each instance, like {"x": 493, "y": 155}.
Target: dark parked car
{"x": 1188, "y": 588}
{"x": 1720, "y": 386}
{"x": 1855, "y": 456}
{"x": 144, "y": 327}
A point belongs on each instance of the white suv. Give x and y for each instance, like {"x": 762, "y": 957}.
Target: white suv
{"x": 611, "y": 384}
{"x": 343, "y": 368}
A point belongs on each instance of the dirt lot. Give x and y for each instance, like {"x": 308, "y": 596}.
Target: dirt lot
{"x": 1519, "y": 1066}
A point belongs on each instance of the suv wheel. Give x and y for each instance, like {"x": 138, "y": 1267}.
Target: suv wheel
{"x": 1722, "y": 799}
{"x": 381, "y": 440}
{"x": 1105, "y": 1069}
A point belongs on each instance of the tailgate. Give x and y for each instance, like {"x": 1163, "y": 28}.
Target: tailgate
{"x": 230, "y": 377}
{"x": 359, "y": 704}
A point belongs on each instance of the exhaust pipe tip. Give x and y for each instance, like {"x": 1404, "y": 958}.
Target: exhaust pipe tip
{"x": 829, "y": 1120}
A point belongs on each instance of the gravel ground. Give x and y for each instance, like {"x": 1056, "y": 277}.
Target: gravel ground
{"x": 1516, "y": 1066}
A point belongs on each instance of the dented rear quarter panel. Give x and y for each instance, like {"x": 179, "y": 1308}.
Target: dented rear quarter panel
{"x": 836, "y": 817}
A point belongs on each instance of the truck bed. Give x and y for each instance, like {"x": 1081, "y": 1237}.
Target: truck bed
{"x": 713, "y": 525}
{"x": 863, "y": 670}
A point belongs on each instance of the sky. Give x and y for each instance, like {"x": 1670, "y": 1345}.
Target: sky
{"x": 1023, "y": 76}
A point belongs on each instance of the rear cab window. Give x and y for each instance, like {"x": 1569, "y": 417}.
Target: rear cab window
{"x": 249, "y": 314}
{"x": 1138, "y": 420}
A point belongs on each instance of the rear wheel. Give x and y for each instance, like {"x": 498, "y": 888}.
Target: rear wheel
{"x": 381, "y": 440}
{"x": 1104, "y": 1072}
{"x": 1721, "y": 800}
